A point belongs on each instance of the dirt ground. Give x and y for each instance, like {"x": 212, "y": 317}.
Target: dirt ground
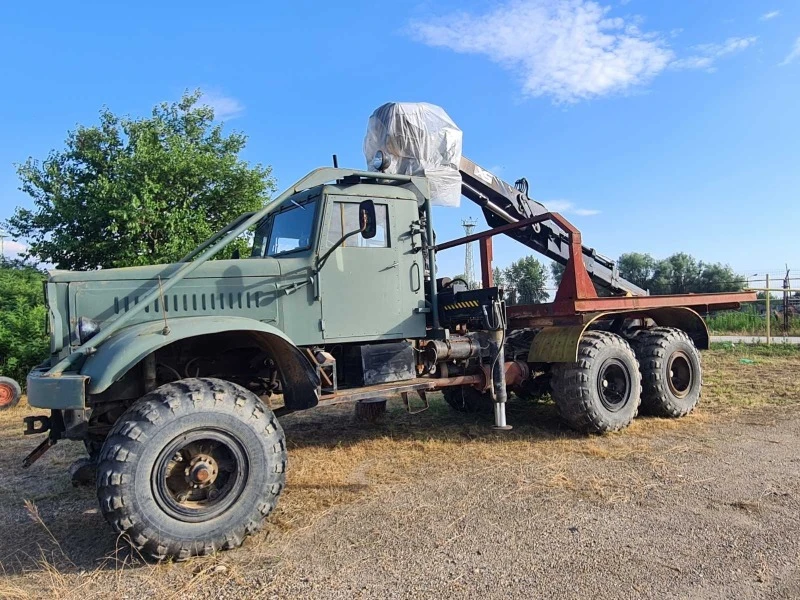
{"x": 439, "y": 505}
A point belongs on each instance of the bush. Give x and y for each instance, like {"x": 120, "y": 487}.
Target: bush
{"x": 23, "y": 339}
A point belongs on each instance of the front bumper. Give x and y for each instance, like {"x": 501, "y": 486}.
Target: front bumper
{"x": 56, "y": 392}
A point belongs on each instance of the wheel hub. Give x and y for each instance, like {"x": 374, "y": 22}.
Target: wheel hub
{"x": 6, "y": 394}
{"x": 200, "y": 475}
{"x": 680, "y": 374}
{"x": 613, "y": 385}
{"x": 202, "y": 471}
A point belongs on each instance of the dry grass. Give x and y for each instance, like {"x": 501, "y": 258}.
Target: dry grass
{"x": 335, "y": 459}
{"x": 745, "y": 376}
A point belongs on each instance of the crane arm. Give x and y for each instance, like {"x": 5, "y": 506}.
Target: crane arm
{"x": 502, "y": 203}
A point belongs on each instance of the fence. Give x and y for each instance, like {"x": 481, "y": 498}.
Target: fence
{"x": 776, "y": 313}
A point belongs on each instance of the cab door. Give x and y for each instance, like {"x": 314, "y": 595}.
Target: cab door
{"x": 367, "y": 285}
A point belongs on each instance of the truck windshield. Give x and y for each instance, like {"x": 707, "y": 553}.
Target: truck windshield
{"x": 288, "y": 230}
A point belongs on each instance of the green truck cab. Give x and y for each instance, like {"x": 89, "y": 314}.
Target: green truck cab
{"x": 366, "y": 290}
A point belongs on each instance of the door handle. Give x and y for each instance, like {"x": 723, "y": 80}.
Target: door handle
{"x": 394, "y": 265}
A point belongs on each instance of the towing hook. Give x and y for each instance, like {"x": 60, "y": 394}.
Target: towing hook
{"x": 36, "y": 424}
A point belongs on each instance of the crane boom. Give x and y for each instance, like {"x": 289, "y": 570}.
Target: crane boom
{"x": 502, "y": 203}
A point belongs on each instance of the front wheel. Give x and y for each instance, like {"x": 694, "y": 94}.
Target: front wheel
{"x": 191, "y": 468}
{"x": 602, "y": 390}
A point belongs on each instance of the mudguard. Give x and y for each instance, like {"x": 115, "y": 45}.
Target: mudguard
{"x": 125, "y": 349}
{"x": 559, "y": 344}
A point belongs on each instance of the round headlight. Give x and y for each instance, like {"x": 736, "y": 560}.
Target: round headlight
{"x": 87, "y": 328}
{"x": 380, "y": 161}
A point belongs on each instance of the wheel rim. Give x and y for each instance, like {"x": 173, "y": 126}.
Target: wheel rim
{"x": 200, "y": 475}
{"x": 614, "y": 384}
{"x": 6, "y": 395}
{"x": 680, "y": 374}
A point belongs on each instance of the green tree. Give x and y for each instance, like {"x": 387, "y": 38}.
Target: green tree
{"x": 676, "y": 274}
{"x": 680, "y": 273}
{"x": 23, "y": 341}
{"x": 638, "y": 268}
{"x": 717, "y": 277}
{"x": 137, "y": 191}
{"x": 499, "y": 277}
{"x": 556, "y": 272}
{"x": 526, "y": 279}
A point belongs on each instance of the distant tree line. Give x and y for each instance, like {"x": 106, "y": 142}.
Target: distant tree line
{"x": 680, "y": 273}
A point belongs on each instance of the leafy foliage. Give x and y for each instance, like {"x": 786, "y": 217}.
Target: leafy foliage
{"x": 23, "y": 341}
{"x": 137, "y": 191}
{"x": 526, "y": 282}
{"x": 680, "y": 273}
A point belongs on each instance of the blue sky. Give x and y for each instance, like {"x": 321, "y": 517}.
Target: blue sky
{"x": 676, "y": 125}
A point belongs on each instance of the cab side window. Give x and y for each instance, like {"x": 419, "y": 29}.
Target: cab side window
{"x": 344, "y": 218}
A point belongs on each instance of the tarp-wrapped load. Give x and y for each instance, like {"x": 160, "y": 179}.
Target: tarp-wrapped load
{"x": 417, "y": 138}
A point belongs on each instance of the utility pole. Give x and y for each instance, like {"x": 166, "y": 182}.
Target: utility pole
{"x": 786, "y": 286}
{"x": 469, "y": 260}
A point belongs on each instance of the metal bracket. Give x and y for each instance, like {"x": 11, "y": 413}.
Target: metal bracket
{"x": 423, "y": 396}
{"x": 37, "y": 452}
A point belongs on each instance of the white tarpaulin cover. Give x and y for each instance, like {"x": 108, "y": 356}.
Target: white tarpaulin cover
{"x": 418, "y": 139}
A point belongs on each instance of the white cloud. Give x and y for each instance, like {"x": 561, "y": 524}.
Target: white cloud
{"x": 769, "y": 15}
{"x": 225, "y": 107}
{"x": 12, "y": 248}
{"x": 793, "y": 55}
{"x": 585, "y": 212}
{"x": 567, "y": 207}
{"x": 569, "y": 50}
{"x": 707, "y": 54}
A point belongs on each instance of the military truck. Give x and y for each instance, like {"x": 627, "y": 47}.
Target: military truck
{"x": 175, "y": 376}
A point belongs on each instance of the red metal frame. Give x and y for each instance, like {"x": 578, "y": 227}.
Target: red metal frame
{"x": 487, "y": 275}
{"x": 576, "y": 294}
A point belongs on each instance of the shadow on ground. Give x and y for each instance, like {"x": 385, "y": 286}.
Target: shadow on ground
{"x": 47, "y": 523}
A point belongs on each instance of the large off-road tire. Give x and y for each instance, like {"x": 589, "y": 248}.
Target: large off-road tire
{"x": 10, "y": 393}
{"x": 671, "y": 372}
{"x": 467, "y": 399}
{"x": 601, "y": 391}
{"x": 191, "y": 468}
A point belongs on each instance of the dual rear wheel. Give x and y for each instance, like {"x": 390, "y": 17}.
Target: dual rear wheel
{"x": 604, "y": 389}
{"x": 658, "y": 372}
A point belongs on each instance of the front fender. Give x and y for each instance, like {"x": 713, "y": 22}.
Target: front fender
{"x": 121, "y": 352}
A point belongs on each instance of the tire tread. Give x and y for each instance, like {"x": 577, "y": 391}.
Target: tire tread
{"x": 573, "y": 390}
{"x": 129, "y": 434}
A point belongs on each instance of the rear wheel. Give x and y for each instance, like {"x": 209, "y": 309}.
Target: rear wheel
{"x": 191, "y": 468}
{"x": 601, "y": 391}
{"x": 671, "y": 371}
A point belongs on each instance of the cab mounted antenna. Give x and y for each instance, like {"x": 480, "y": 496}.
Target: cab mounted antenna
{"x": 335, "y": 162}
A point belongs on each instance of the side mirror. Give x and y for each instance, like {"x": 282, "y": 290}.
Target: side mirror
{"x": 368, "y": 228}
{"x": 367, "y": 219}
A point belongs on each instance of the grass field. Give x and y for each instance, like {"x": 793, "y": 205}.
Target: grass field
{"x": 749, "y": 323}
{"x": 55, "y": 544}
